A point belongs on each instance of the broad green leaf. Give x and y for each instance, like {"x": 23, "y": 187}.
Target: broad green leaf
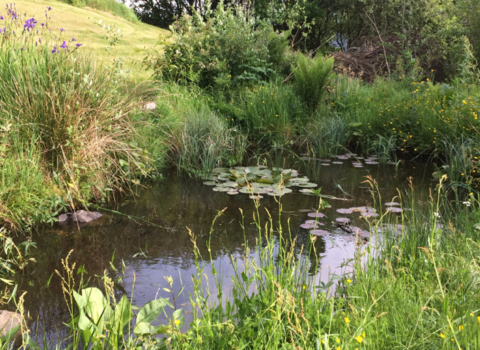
{"x": 152, "y": 310}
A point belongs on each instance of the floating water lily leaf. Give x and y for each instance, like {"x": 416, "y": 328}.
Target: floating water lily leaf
{"x": 389, "y": 204}
{"x": 307, "y": 185}
{"x": 210, "y": 183}
{"x": 319, "y": 232}
{"x": 235, "y": 173}
{"x": 345, "y": 211}
{"x": 265, "y": 180}
{"x": 316, "y": 215}
{"x": 310, "y": 225}
{"x": 255, "y": 197}
{"x": 343, "y": 220}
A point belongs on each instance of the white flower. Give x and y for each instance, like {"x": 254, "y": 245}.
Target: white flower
{"x": 436, "y": 214}
{"x": 467, "y": 203}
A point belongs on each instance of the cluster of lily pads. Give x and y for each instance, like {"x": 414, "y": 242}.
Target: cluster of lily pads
{"x": 257, "y": 181}
{"x": 356, "y": 160}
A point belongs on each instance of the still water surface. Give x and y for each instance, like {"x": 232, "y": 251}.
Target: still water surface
{"x": 148, "y": 252}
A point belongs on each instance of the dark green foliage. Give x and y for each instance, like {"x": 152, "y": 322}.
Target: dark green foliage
{"x": 312, "y": 78}
{"x": 230, "y": 48}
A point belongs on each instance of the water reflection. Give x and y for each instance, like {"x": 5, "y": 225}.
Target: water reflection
{"x": 148, "y": 252}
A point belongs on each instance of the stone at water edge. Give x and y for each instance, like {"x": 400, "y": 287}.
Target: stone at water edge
{"x": 80, "y": 216}
{"x": 8, "y": 321}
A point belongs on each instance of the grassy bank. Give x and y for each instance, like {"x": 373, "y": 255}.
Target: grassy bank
{"x": 86, "y": 24}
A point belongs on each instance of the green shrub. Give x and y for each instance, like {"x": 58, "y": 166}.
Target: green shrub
{"x": 312, "y": 78}
{"x": 231, "y": 47}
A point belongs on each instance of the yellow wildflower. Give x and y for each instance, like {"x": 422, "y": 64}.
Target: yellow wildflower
{"x": 460, "y": 328}
{"x": 347, "y": 320}
{"x": 359, "y": 339}
{"x": 177, "y": 322}
{"x": 442, "y": 335}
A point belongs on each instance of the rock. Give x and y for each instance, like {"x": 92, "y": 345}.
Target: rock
{"x": 80, "y": 216}
{"x": 150, "y": 106}
{"x": 8, "y": 322}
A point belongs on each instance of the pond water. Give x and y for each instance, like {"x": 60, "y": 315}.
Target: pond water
{"x": 149, "y": 252}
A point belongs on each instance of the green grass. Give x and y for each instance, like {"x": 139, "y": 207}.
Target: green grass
{"x": 82, "y": 23}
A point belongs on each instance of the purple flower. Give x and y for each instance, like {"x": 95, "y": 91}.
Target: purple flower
{"x": 49, "y": 8}
{"x": 42, "y": 24}
{"x": 62, "y": 30}
{"x": 1, "y": 17}
{"x": 64, "y": 45}
{"x": 78, "y": 45}
{"x": 73, "y": 39}
{"x": 30, "y": 24}
{"x": 54, "y": 49}
{"x": 39, "y": 40}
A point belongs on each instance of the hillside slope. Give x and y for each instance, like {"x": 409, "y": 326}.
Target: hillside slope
{"x": 82, "y": 23}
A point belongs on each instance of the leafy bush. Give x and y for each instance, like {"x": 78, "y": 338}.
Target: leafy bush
{"x": 312, "y": 78}
{"x": 231, "y": 47}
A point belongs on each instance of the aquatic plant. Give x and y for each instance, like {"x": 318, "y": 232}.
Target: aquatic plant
{"x": 257, "y": 180}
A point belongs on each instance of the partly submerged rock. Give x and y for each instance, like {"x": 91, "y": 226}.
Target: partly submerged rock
{"x": 80, "y": 216}
{"x": 10, "y": 322}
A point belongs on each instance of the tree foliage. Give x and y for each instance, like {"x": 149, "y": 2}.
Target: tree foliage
{"x": 230, "y": 47}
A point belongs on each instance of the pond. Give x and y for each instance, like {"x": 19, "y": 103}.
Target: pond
{"x": 157, "y": 243}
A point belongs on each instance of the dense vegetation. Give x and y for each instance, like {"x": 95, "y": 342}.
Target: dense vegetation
{"x": 234, "y": 82}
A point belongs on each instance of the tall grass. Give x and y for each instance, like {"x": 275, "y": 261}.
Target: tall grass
{"x": 206, "y": 142}
{"x": 74, "y": 108}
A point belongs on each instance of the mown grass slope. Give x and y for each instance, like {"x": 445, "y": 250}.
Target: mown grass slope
{"x": 82, "y": 23}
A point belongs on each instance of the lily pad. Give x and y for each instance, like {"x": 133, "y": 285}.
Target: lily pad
{"x": 343, "y": 220}
{"x": 313, "y": 221}
{"x": 210, "y": 183}
{"x": 317, "y": 232}
{"x": 337, "y": 162}
{"x": 394, "y": 210}
{"x": 372, "y": 162}
{"x": 344, "y": 211}
{"x": 255, "y": 197}
{"x": 390, "y": 204}
{"x": 309, "y": 226}
{"x": 307, "y": 185}
{"x": 316, "y": 215}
